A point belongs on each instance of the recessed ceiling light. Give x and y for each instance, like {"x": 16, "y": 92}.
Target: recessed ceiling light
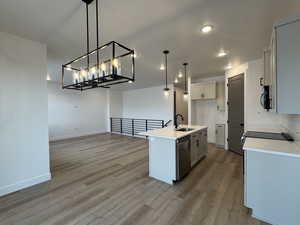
{"x": 206, "y": 29}
{"x": 228, "y": 67}
{"x": 222, "y": 53}
{"x": 162, "y": 67}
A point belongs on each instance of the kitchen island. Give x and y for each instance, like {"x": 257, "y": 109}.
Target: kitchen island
{"x": 173, "y": 152}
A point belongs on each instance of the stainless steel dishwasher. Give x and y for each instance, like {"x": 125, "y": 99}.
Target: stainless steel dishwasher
{"x": 183, "y": 157}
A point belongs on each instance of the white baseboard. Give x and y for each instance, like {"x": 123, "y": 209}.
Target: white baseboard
{"x": 261, "y": 218}
{"x": 24, "y": 184}
{"x": 67, "y": 137}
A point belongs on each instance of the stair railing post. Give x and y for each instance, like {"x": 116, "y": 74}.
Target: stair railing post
{"x": 132, "y": 126}
{"x": 121, "y": 126}
{"x": 111, "y": 125}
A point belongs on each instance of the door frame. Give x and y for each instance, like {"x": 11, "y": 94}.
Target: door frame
{"x": 227, "y": 107}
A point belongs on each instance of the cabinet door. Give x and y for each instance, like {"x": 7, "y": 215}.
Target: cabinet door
{"x": 210, "y": 90}
{"x": 197, "y": 91}
{"x": 221, "y": 96}
{"x": 200, "y": 150}
{"x": 273, "y": 73}
{"x": 204, "y": 141}
{"x": 194, "y": 157}
{"x": 288, "y": 68}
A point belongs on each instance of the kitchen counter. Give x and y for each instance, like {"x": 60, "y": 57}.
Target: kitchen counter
{"x": 278, "y": 147}
{"x": 171, "y": 133}
{"x": 271, "y": 180}
{"x": 172, "y": 154}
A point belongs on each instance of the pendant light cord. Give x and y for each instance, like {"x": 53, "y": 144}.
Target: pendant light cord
{"x": 166, "y": 62}
{"x": 185, "y": 78}
{"x": 87, "y": 37}
{"x": 97, "y": 30}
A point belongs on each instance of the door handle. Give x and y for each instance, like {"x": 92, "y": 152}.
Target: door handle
{"x": 241, "y": 124}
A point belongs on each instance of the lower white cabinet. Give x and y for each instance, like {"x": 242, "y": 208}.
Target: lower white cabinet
{"x": 271, "y": 187}
{"x": 198, "y": 146}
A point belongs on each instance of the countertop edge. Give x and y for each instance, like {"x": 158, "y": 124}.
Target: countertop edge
{"x": 184, "y": 134}
{"x": 272, "y": 152}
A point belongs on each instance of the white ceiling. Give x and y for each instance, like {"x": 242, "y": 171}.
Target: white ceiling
{"x": 242, "y": 27}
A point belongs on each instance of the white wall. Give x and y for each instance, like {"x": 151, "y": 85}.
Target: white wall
{"x": 204, "y": 112}
{"x": 255, "y": 116}
{"x": 115, "y": 104}
{"x": 24, "y": 151}
{"x": 148, "y": 103}
{"x": 75, "y": 113}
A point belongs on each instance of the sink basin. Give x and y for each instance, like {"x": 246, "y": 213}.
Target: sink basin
{"x": 184, "y": 129}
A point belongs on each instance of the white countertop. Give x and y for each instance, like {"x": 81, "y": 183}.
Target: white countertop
{"x": 171, "y": 133}
{"x": 278, "y": 147}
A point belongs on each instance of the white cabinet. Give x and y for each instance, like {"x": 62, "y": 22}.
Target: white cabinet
{"x": 198, "y": 146}
{"x": 194, "y": 148}
{"x": 204, "y": 90}
{"x": 271, "y": 187}
{"x": 221, "y": 96}
{"x": 282, "y": 67}
{"x": 220, "y": 135}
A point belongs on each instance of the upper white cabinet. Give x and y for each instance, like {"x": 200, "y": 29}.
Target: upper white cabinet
{"x": 221, "y": 96}
{"x": 203, "y": 90}
{"x": 282, "y": 67}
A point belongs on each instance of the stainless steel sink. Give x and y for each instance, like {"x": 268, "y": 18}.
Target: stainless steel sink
{"x": 184, "y": 129}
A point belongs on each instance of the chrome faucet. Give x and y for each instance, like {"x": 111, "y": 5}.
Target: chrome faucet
{"x": 175, "y": 120}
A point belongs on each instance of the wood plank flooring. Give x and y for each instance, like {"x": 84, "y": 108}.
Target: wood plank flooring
{"x": 103, "y": 179}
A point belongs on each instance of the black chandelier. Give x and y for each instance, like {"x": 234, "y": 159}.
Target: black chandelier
{"x": 166, "y": 89}
{"x": 109, "y": 64}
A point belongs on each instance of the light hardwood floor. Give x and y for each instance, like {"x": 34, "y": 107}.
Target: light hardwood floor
{"x": 103, "y": 179}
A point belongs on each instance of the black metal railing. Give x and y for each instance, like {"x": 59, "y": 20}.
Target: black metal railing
{"x": 133, "y": 127}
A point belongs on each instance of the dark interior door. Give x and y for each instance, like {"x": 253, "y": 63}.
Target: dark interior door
{"x": 235, "y": 113}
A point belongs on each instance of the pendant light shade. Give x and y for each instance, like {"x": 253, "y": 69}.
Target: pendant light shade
{"x": 185, "y": 80}
{"x": 166, "y": 89}
{"x": 107, "y": 65}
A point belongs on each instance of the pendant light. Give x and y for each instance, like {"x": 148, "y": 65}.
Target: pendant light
{"x": 166, "y": 89}
{"x": 107, "y": 65}
{"x": 185, "y": 81}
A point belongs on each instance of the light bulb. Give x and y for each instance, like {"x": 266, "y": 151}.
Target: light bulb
{"x": 69, "y": 67}
{"x": 166, "y": 93}
{"x": 185, "y": 96}
{"x": 134, "y": 55}
{"x": 130, "y": 81}
{"x": 103, "y": 66}
{"x": 48, "y": 77}
{"x": 84, "y": 74}
{"x": 180, "y": 75}
{"x": 162, "y": 67}
{"x": 222, "y": 53}
{"x": 116, "y": 62}
{"x": 75, "y": 77}
{"x": 93, "y": 70}
{"x": 176, "y": 81}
